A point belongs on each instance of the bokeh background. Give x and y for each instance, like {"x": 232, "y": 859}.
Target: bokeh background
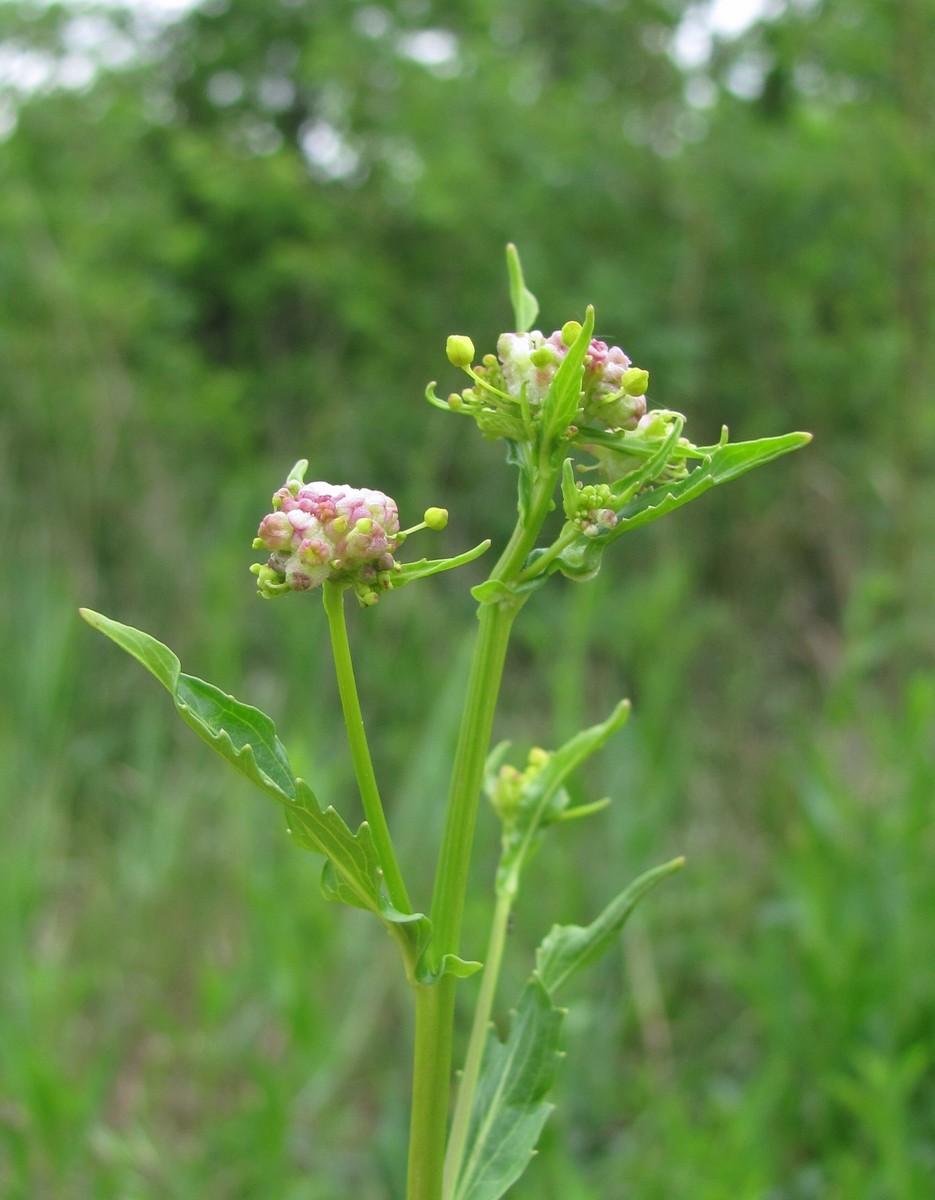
{"x": 238, "y": 234}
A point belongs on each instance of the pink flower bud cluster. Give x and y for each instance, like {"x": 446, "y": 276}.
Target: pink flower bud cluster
{"x": 530, "y": 360}
{"x": 320, "y": 531}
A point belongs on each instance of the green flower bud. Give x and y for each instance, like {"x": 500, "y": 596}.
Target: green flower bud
{"x": 543, "y": 357}
{"x": 635, "y": 381}
{"x": 460, "y": 350}
{"x": 570, "y": 331}
{"x": 436, "y": 518}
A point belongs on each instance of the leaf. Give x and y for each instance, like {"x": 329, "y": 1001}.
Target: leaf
{"x": 492, "y": 591}
{"x": 247, "y": 738}
{"x": 581, "y": 560}
{"x": 726, "y": 462}
{"x": 719, "y": 465}
{"x": 243, "y": 735}
{"x": 451, "y": 964}
{"x": 535, "y": 807}
{"x": 563, "y": 397}
{"x": 525, "y": 305}
{"x": 510, "y": 1106}
{"x": 645, "y": 475}
{"x": 517, "y": 455}
{"x": 570, "y": 494}
{"x": 509, "y": 1111}
{"x": 569, "y": 948}
{"x": 409, "y": 572}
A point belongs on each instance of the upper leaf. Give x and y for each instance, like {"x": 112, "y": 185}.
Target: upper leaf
{"x": 409, "y": 572}
{"x": 525, "y": 305}
{"x": 561, "y": 402}
{"x": 719, "y": 464}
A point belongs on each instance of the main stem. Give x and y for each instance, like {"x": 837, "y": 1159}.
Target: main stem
{"x": 333, "y": 597}
{"x": 435, "y": 1002}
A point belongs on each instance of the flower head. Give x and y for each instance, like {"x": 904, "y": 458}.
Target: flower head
{"x": 510, "y": 388}
{"x": 320, "y": 531}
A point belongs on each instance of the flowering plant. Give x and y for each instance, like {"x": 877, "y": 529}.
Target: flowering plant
{"x": 551, "y": 399}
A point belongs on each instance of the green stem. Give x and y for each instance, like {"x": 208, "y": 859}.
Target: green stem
{"x": 435, "y": 1004}
{"x": 562, "y": 542}
{"x": 460, "y": 1124}
{"x": 431, "y": 1083}
{"x": 333, "y": 597}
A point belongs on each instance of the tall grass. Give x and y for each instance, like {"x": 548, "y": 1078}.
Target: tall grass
{"x": 178, "y": 1019}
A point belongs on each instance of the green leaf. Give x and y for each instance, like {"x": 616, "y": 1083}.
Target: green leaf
{"x": 243, "y": 735}
{"x": 726, "y": 462}
{"x": 247, "y": 738}
{"x": 719, "y": 464}
{"x": 492, "y": 591}
{"x": 561, "y": 401}
{"x": 451, "y": 964}
{"x": 509, "y": 1110}
{"x": 652, "y": 467}
{"x": 525, "y": 305}
{"x": 569, "y": 948}
{"x": 536, "y": 803}
{"x": 581, "y": 560}
{"x": 409, "y": 572}
{"x": 570, "y": 494}
{"x": 510, "y": 1106}
{"x": 517, "y": 455}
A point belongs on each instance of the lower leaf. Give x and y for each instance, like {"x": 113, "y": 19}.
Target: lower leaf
{"x": 509, "y": 1108}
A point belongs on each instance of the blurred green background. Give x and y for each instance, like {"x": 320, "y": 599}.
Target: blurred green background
{"x": 240, "y": 236}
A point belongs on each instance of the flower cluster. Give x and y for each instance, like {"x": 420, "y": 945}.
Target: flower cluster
{"x": 518, "y": 377}
{"x": 593, "y": 513}
{"x": 320, "y": 531}
{"x": 507, "y": 788}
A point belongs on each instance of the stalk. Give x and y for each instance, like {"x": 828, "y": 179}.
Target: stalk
{"x": 435, "y": 1003}
{"x": 333, "y": 597}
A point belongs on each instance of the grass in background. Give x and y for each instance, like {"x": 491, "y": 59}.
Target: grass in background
{"x": 177, "y": 1020}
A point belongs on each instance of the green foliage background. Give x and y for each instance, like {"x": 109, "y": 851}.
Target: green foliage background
{"x": 247, "y": 243}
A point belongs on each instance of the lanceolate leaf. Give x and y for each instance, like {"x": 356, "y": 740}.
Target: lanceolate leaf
{"x": 411, "y": 571}
{"x": 726, "y": 462}
{"x": 581, "y": 560}
{"x": 509, "y": 1106}
{"x": 525, "y": 305}
{"x": 247, "y": 738}
{"x": 537, "y": 800}
{"x": 561, "y": 401}
{"x": 569, "y": 948}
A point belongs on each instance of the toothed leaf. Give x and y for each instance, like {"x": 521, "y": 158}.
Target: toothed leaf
{"x": 247, "y": 738}
{"x": 510, "y": 1105}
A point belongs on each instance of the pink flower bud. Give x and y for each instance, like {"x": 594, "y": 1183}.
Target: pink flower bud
{"x": 275, "y": 531}
{"x": 321, "y": 531}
